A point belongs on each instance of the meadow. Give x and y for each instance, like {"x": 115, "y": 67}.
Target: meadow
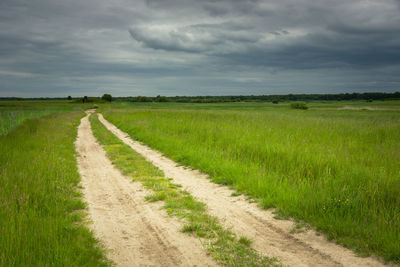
{"x": 334, "y": 169}
{"x": 42, "y": 221}
{"x": 14, "y": 113}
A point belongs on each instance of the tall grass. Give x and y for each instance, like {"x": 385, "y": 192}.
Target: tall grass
{"x": 10, "y": 119}
{"x": 41, "y": 217}
{"x": 14, "y": 113}
{"x": 336, "y": 169}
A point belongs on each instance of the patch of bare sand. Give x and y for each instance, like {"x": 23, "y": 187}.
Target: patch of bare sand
{"x": 134, "y": 232}
{"x": 271, "y": 237}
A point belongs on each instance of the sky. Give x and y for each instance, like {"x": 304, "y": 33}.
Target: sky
{"x": 56, "y": 48}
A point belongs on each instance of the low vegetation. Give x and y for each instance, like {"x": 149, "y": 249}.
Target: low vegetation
{"x": 299, "y": 105}
{"x": 14, "y": 113}
{"x": 334, "y": 169}
{"x": 225, "y": 246}
{"x": 107, "y": 97}
{"x": 41, "y": 212}
{"x": 10, "y": 119}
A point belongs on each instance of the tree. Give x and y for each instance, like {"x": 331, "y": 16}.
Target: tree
{"x": 85, "y": 99}
{"x": 107, "y": 97}
{"x": 69, "y": 97}
{"x": 161, "y": 99}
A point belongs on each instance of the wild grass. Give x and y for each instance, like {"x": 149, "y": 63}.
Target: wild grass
{"x": 337, "y": 170}
{"x": 41, "y": 212}
{"x": 224, "y": 245}
{"x": 14, "y": 113}
{"x": 10, "y": 119}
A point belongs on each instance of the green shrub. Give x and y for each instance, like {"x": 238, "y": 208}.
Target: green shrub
{"x": 161, "y": 99}
{"x": 107, "y": 97}
{"x": 299, "y": 105}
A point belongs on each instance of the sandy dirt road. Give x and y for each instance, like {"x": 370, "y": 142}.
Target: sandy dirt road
{"x": 271, "y": 237}
{"x": 134, "y": 232}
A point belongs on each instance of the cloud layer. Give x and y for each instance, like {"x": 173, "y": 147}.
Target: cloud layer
{"x": 176, "y": 47}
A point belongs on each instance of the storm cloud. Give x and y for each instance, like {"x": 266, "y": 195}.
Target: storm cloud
{"x": 176, "y": 47}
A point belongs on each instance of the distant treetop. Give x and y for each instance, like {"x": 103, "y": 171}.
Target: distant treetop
{"x": 107, "y": 97}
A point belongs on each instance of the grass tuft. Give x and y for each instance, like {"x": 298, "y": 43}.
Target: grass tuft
{"x": 245, "y": 241}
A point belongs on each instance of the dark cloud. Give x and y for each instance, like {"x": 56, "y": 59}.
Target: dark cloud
{"x": 178, "y": 47}
{"x": 210, "y": 39}
{"x": 312, "y": 36}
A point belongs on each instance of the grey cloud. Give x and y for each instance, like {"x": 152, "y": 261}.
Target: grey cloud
{"x": 198, "y": 38}
{"x": 201, "y": 47}
{"x": 169, "y": 41}
{"x": 215, "y": 10}
{"x": 351, "y": 34}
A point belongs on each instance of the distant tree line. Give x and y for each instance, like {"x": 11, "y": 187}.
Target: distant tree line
{"x": 265, "y": 98}
{"x": 84, "y": 99}
{"x": 232, "y": 98}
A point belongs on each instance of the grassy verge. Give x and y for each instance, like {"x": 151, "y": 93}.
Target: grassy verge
{"x": 41, "y": 217}
{"x": 335, "y": 169}
{"x": 224, "y": 245}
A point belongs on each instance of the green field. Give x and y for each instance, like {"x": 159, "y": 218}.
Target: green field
{"x": 14, "y": 113}
{"x": 335, "y": 169}
{"x": 41, "y": 211}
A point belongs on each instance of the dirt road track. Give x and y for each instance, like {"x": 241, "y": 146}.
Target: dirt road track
{"x": 134, "y": 232}
{"x": 271, "y": 237}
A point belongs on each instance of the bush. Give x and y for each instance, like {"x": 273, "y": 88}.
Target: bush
{"x": 299, "y": 105}
{"x": 107, "y": 97}
{"x": 161, "y": 99}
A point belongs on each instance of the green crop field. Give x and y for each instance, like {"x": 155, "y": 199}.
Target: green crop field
{"x": 336, "y": 169}
{"x": 41, "y": 218}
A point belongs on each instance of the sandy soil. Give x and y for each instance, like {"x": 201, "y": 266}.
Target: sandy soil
{"x": 134, "y": 232}
{"x": 271, "y": 236}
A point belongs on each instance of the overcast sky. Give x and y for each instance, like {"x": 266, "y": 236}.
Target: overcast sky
{"x": 199, "y": 47}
